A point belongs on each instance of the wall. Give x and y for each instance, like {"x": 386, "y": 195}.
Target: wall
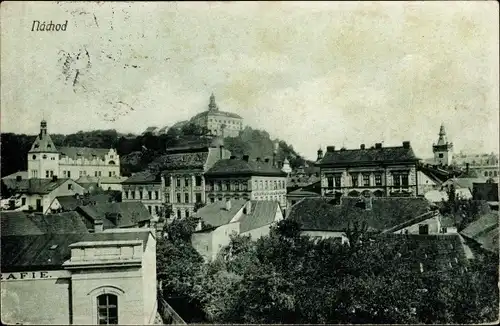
{"x": 36, "y": 301}
{"x": 208, "y": 244}
{"x": 112, "y": 186}
{"x": 36, "y": 161}
{"x": 202, "y": 242}
{"x": 425, "y": 183}
{"x": 149, "y": 281}
{"x": 62, "y": 190}
{"x": 146, "y": 200}
{"x": 261, "y": 192}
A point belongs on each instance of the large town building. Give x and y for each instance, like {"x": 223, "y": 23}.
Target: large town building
{"x": 377, "y": 171}
{"x": 46, "y": 161}
{"x": 483, "y": 165}
{"x": 80, "y": 278}
{"x": 183, "y": 170}
{"x": 246, "y": 179}
{"x": 220, "y": 123}
{"x": 145, "y": 187}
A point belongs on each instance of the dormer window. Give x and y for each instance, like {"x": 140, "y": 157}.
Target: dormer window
{"x": 49, "y": 146}
{"x": 36, "y": 145}
{"x": 44, "y": 157}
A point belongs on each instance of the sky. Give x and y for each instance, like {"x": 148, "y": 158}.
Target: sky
{"x": 310, "y": 73}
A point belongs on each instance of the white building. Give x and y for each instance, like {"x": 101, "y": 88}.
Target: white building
{"x": 218, "y": 122}
{"x": 46, "y": 161}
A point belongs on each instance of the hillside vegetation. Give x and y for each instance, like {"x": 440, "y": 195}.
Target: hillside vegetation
{"x": 138, "y": 151}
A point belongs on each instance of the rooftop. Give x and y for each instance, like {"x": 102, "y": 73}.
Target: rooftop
{"x": 263, "y": 212}
{"x": 33, "y": 186}
{"x": 70, "y": 203}
{"x": 143, "y": 177}
{"x": 386, "y": 212}
{"x": 484, "y": 231}
{"x": 21, "y": 223}
{"x": 236, "y": 166}
{"x": 373, "y": 155}
{"x": 85, "y": 152}
{"x": 215, "y": 214}
{"x": 116, "y": 215}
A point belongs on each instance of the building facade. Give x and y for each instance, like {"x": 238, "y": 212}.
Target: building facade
{"x": 377, "y": 171}
{"x": 443, "y": 150}
{"x": 220, "y": 123}
{"x": 45, "y": 160}
{"x": 482, "y": 165}
{"x": 146, "y": 188}
{"x": 183, "y": 169}
{"x": 246, "y": 179}
{"x": 80, "y": 279}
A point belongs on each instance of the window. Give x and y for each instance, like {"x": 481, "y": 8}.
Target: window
{"x": 34, "y": 173}
{"x": 167, "y": 198}
{"x": 178, "y": 182}
{"x": 44, "y": 157}
{"x": 266, "y": 187}
{"x": 23, "y": 201}
{"x": 366, "y": 180}
{"x": 149, "y": 209}
{"x": 157, "y": 210}
{"x": 95, "y": 173}
{"x": 34, "y": 157}
{"x": 423, "y": 229}
{"x": 404, "y": 180}
{"x": 167, "y": 181}
{"x": 224, "y": 186}
{"x": 378, "y": 179}
{"x": 150, "y": 195}
{"x": 178, "y": 213}
{"x": 396, "y": 180}
{"x": 186, "y": 182}
{"x": 125, "y": 195}
{"x": 187, "y": 213}
{"x": 140, "y": 194}
{"x": 338, "y": 182}
{"x": 261, "y": 185}
{"x": 178, "y": 197}
{"x": 47, "y": 174}
{"x": 186, "y": 197}
{"x": 495, "y": 173}
{"x": 444, "y": 230}
{"x": 132, "y": 194}
{"x": 198, "y": 197}
{"x": 330, "y": 182}
{"x": 441, "y": 155}
{"x": 197, "y": 180}
{"x": 69, "y": 174}
{"x": 354, "y": 178}
{"x": 107, "y": 309}
{"x": 212, "y": 200}
{"x": 110, "y": 173}
{"x": 157, "y": 194}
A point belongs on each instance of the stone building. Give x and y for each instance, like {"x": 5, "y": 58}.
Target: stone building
{"x": 79, "y": 278}
{"x": 376, "y": 171}
{"x": 46, "y": 161}
{"x": 218, "y": 122}
{"x": 246, "y": 179}
{"x": 145, "y": 187}
{"x": 183, "y": 170}
{"x": 443, "y": 150}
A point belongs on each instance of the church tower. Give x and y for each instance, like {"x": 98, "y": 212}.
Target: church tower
{"x": 212, "y": 106}
{"x": 443, "y": 151}
{"x": 43, "y": 157}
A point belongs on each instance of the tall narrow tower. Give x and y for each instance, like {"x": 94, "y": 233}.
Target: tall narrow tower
{"x": 43, "y": 157}
{"x": 212, "y": 106}
{"x": 443, "y": 150}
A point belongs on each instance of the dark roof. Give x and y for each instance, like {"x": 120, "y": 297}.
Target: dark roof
{"x": 186, "y": 160}
{"x": 84, "y": 152}
{"x": 215, "y": 214}
{"x": 484, "y": 231}
{"x": 415, "y": 220}
{"x": 368, "y": 156}
{"x": 50, "y": 251}
{"x": 242, "y": 167}
{"x": 20, "y": 223}
{"x": 485, "y": 191}
{"x": 143, "y": 177}
{"x": 43, "y": 144}
{"x": 22, "y": 174}
{"x": 439, "y": 252}
{"x": 70, "y": 203}
{"x": 33, "y": 186}
{"x": 262, "y": 213}
{"x": 216, "y": 113}
{"x": 386, "y": 212}
{"x": 301, "y": 192}
{"x": 121, "y": 215}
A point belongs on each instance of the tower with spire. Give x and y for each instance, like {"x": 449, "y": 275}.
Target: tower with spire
{"x": 43, "y": 157}
{"x": 212, "y": 106}
{"x": 443, "y": 150}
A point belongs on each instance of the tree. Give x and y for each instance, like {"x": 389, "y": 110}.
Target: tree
{"x": 198, "y": 205}
{"x": 181, "y": 230}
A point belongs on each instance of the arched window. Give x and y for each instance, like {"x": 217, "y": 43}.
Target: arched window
{"x": 107, "y": 309}
{"x": 111, "y": 162}
{"x": 34, "y": 157}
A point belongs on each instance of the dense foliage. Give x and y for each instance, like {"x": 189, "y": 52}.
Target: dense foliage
{"x": 138, "y": 151}
{"x": 288, "y": 278}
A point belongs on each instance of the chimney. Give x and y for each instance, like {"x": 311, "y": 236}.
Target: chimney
{"x": 362, "y": 146}
{"x": 232, "y": 157}
{"x": 228, "y": 204}
{"x": 467, "y": 168}
{"x": 406, "y": 144}
{"x": 54, "y": 178}
{"x": 19, "y": 178}
{"x": 245, "y": 158}
{"x": 98, "y": 226}
{"x": 330, "y": 148}
{"x": 266, "y": 160}
{"x": 378, "y": 145}
{"x": 257, "y": 159}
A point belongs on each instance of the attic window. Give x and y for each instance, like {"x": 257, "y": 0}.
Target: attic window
{"x": 49, "y": 146}
{"x": 53, "y": 247}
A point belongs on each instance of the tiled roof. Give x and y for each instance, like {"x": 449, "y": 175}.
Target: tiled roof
{"x": 262, "y": 213}
{"x": 43, "y": 143}
{"x": 127, "y": 214}
{"x": 143, "y": 177}
{"x": 241, "y": 167}
{"x": 415, "y": 220}
{"x": 50, "y": 251}
{"x": 319, "y": 214}
{"x": 485, "y": 191}
{"x": 215, "y": 214}
{"x": 70, "y": 203}
{"x": 484, "y": 231}
{"x": 20, "y": 223}
{"x": 216, "y": 113}
{"x": 33, "y": 186}
{"x": 435, "y": 252}
{"x": 85, "y": 152}
{"x": 96, "y": 180}
{"x": 368, "y": 156}
{"x": 179, "y": 161}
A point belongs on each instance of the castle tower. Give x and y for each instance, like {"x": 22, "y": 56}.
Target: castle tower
{"x": 320, "y": 154}
{"x": 43, "y": 157}
{"x": 443, "y": 150}
{"x": 212, "y": 106}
